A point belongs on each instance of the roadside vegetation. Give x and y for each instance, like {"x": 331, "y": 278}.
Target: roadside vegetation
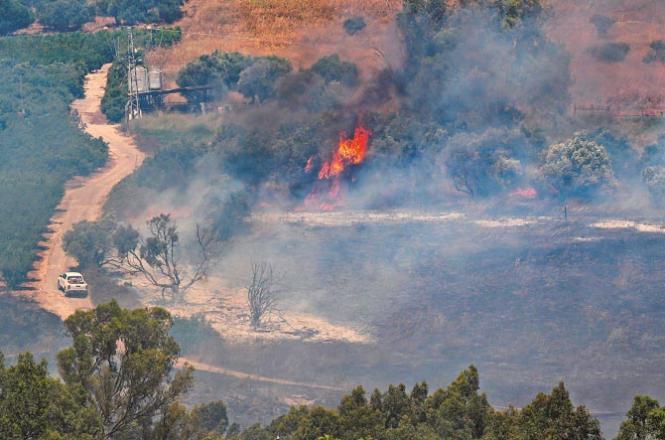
{"x": 41, "y": 144}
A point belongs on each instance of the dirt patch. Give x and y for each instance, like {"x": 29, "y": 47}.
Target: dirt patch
{"x": 626, "y": 85}
{"x": 225, "y": 309}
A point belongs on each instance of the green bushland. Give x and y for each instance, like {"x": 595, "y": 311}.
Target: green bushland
{"x": 41, "y": 143}
{"x": 146, "y": 11}
{"x": 14, "y": 16}
{"x": 71, "y": 15}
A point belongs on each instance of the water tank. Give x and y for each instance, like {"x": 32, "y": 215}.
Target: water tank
{"x": 138, "y": 79}
{"x": 155, "y": 79}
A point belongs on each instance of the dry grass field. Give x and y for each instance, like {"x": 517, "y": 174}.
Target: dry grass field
{"x": 300, "y": 30}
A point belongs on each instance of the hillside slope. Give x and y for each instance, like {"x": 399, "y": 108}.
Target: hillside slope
{"x": 300, "y": 30}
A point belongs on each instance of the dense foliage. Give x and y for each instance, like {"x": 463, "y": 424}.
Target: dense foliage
{"x": 41, "y": 145}
{"x": 254, "y": 77}
{"x": 14, "y": 16}
{"x": 64, "y": 15}
{"x": 148, "y": 11}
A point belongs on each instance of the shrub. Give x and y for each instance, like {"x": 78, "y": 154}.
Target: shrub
{"x": 610, "y": 52}
{"x": 331, "y": 68}
{"x": 657, "y": 52}
{"x": 89, "y": 242}
{"x": 354, "y": 25}
{"x": 258, "y": 80}
{"x": 654, "y": 178}
{"x": 603, "y": 24}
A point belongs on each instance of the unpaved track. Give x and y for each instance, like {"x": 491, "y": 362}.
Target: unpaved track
{"x": 84, "y": 198}
{"x": 201, "y": 366}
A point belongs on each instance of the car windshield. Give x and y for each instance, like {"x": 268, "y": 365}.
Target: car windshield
{"x": 75, "y": 280}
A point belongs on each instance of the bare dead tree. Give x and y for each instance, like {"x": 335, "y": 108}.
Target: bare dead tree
{"x": 261, "y": 293}
{"x": 157, "y": 257}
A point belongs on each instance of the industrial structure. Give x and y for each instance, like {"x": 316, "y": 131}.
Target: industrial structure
{"x": 146, "y": 86}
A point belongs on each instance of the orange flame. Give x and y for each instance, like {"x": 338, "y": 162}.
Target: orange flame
{"x": 349, "y": 152}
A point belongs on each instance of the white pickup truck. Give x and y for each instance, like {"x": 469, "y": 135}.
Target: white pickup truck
{"x": 73, "y": 284}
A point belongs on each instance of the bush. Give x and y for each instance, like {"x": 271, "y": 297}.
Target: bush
{"x": 654, "y": 178}
{"x": 331, "y": 68}
{"x": 603, "y": 24}
{"x": 577, "y": 167}
{"x": 482, "y": 165}
{"x": 257, "y": 82}
{"x": 14, "y": 16}
{"x": 89, "y": 243}
{"x": 64, "y": 15}
{"x": 354, "y": 25}
{"x": 610, "y": 52}
{"x": 220, "y": 70}
{"x": 115, "y": 94}
{"x": 657, "y": 53}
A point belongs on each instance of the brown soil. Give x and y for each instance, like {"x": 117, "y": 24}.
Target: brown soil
{"x": 224, "y": 307}
{"x": 638, "y": 23}
{"x": 83, "y": 199}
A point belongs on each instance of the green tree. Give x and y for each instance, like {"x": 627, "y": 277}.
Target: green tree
{"x": 211, "y": 418}
{"x": 89, "y": 242}
{"x": 14, "y": 16}
{"x": 332, "y": 68}
{"x": 577, "y": 167}
{"x": 257, "y": 81}
{"x": 639, "y": 420}
{"x": 35, "y": 406}
{"x": 553, "y": 417}
{"x": 217, "y": 68}
{"x": 64, "y": 15}
{"x": 146, "y": 11}
{"x": 515, "y": 11}
{"x": 357, "y": 418}
{"x": 124, "y": 362}
{"x": 460, "y": 412}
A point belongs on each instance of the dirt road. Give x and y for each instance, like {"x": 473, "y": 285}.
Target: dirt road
{"x": 84, "y": 197}
{"x": 201, "y": 366}
{"x": 83, "y": 200}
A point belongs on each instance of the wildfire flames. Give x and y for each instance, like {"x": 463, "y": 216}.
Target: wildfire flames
{"x": 349, "y": 152}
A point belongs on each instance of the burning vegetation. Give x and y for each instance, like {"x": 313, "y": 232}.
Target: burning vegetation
{"x": 350, "y": 152}
{"x": 477, "y": 116}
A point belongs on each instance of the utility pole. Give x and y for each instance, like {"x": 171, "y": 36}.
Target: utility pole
{"x": 133, "y": 108}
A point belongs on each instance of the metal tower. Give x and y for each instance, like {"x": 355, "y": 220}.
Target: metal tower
{"x": 133, "y": 107}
